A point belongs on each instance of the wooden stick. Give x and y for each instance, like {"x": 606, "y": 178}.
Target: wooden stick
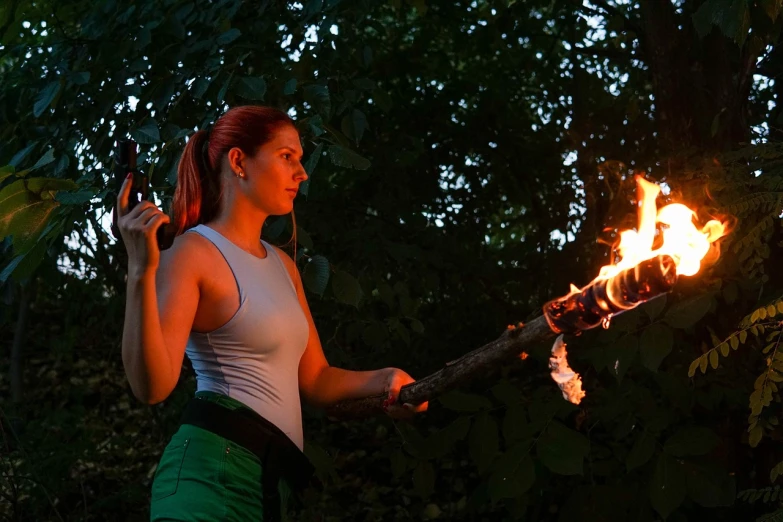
{"x": 511, "y": 344}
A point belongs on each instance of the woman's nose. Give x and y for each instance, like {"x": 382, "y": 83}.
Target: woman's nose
{"x": 302, "y": 173}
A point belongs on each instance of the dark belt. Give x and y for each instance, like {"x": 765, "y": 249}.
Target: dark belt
{"x": 279, "y": 456}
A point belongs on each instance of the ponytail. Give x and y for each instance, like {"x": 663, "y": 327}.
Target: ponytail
{"x": 197, "y": 195}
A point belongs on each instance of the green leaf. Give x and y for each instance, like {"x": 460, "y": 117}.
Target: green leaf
{"x": 687, "y": 313}
{"x": 703, "y": 361}
{"x": 692, "y": 368}
{"x": 562, "y": 449}
{"x": 62, "y": 164}
{"x": 755, "y": 436}
{"x": 199, "y": 87}
{"x": 316, "y": 125}
{"x": 343, "y": 157}
{"x": 442, "y": 442}
{"x": 417, "y": 326}
{"x": 303, "y": 238}
{"x": 23, "y": 266}
{"x": 75, "y": 198}
{"x": 45, "y": 160}
{"x": 354, "y": 124}
{"x": 251, "y": 87}
{"x": 692, "y": 440}
{"x": 221, "y": 95}
{"x": 483, "y": 441}
{"x": 346, "y": 288}
{"x": 775, "y": 472}
{"x": 290, "y": 87}
{"x": 80, "y": 77}
{"x": 641, "y": 451}
{"x": 321, "y": 461}
{"x": 731, "y": 16}
{"x": 41, "y": 186}
{"x": 399, "y": 463}
{"x": 21, "y": 155}
{"x": 709, "y": 485}
{"x": 513, "y": 475}
{"x": 655, "y": 344}
{"x": 507, "y": 393}
{"x": 29, "y": 222}
{"x": 6, "y": 172}
{"x": 667, "y": 487}
{"x": 147, "y": 134}
{"x": 311, "y": 8}
{"x": 13, "y": 197}
{"x": 714, "y": 360}
{"x": 424, "y": 479}
{"x": 275, "y": 227}
{"x": 45, "y": 98}
{"x": 143, "y": 37}
{"x": 23, "y": 214}
{"x": 228, "y": 36}
{"x": 655, "y": 306}
{"x": 318, "y": 96}
{"x": 775, "y": 516}
{"x": 457, "y": 400}
{"x": 309, "y": 166}
{"x": 364, "y": 83}
{"x": 416, "y": 445}
{"x": 316, "y": 275}
{"x": 621, "y": 355}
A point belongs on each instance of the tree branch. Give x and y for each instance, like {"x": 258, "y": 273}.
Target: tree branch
{"x": 482, "y": 360}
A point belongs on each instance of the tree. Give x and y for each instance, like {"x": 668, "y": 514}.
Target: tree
{"x": 464, "y": 159}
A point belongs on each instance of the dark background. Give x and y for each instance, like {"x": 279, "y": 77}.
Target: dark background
{"x": 468, "y": 161}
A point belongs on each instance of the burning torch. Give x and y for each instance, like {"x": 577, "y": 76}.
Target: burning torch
{"x": 642, "y": 273}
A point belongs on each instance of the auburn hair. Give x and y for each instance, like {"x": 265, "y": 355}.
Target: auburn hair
{"x": 197, "y": 196}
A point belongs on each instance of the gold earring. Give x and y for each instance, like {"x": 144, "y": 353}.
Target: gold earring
{"x": 241, "y": 174}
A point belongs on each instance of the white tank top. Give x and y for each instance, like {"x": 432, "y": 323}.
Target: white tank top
{"x": 254, "y": 357}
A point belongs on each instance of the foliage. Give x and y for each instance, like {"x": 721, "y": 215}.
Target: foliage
{"x": 464, "y": 158}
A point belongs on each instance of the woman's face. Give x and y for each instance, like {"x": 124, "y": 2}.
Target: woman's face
{"x": 273, "y": 175}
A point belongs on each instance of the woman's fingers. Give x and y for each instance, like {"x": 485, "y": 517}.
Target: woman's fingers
{"x": 416, "y": 408}
{"x": 122, "y": 196}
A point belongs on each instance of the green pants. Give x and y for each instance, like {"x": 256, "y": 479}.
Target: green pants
{"x": 204, "y": 477}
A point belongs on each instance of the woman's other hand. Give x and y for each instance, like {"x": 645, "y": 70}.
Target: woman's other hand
{"x": 395, "y": 379}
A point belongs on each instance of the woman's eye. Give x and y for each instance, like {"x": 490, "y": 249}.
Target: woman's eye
{"x": 287, "y": 156}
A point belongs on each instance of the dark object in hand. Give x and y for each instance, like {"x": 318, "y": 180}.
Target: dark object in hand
{"x": 124, "y": 163}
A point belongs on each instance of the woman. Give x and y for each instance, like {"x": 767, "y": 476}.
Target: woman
{"x": 235, "y": 305}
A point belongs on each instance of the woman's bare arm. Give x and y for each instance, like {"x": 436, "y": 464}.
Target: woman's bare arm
{"x": 159, "y": 311}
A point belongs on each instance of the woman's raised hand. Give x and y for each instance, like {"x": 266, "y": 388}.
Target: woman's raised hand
{"x": 138, "y": 229}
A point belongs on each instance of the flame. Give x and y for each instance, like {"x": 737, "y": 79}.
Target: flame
{"x": 682, "y": 240}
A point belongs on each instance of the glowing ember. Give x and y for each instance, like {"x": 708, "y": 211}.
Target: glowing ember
{"x": 569, "y": 382}
{"x": 682, "y": 240}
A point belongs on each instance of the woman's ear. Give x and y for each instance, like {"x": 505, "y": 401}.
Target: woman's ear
{"x": 236, "y": 159}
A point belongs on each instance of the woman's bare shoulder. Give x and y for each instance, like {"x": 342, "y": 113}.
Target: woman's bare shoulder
{"x": 189, "y": 252}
